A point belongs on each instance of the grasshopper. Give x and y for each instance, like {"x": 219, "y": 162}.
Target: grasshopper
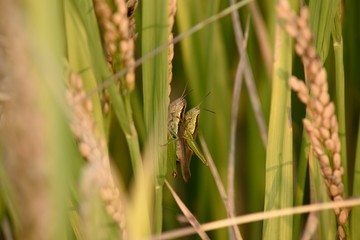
{"x": 186, "y": 144}
{"x": 176, "y": 114}
{"x": 175, "y": 117}
{"x": 182, "y": 135}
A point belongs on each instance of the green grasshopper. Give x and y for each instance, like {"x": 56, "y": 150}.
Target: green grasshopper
{"x": 186, "y": 144}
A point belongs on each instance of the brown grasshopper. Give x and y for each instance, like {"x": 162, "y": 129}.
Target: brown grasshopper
{"x": 182, "y": 135}
{"x": 175, "y": 117}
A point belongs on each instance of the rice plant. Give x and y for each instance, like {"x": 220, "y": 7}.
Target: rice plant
{"x": 109, "y": 108}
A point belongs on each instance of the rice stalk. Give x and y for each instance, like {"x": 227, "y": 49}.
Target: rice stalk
{"x": 93, "y": 148}
{"x": 85, "y": 54}
{"x": 321, "y": 124}
{"x": 140, "y": 208}
{"x": 119, "y": 34}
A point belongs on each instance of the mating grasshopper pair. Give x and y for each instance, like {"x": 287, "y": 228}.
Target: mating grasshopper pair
{"x": 182, "y": 133}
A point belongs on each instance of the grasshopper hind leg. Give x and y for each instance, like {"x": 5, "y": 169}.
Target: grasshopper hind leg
{"x": 182, "y": 157}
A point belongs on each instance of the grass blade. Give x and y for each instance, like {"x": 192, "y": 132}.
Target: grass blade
{"x": 80, "y": 59}
{"x": 279, "y": 148}
{"x": 322, "y": 15}
{"x": 155, "y": 92}
{"x": 340, "y": 92}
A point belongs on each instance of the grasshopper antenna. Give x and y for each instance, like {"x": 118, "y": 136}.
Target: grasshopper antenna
{"x": 205, "y": 109}
{"x": 203, "y": 99}
{"x": 184, "y": 94}
{"x": 208, "y": 110}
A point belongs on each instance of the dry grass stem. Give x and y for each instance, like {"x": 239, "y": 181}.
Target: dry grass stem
{"x": 94, "y": 149}
{"x": 233, "y": 126}
{"x": 311, "y": 226}
{"x": 220, "y": 186}
{"x": 254, "y": 217}
{"x": 119, "y": 34}
{"x": 189, "y": 216}
{"x": 249, "y": 77}
{"x": 214, "y": 172}
{"x": 321, "y": 124}
{"x": 262, "y": 36}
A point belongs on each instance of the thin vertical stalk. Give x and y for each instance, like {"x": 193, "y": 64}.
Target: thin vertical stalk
{"x": 231, "y": 164}
{"x": 250, "y": 83}
{"x": 262, "y": 36}
{"x": 249, "y": 77}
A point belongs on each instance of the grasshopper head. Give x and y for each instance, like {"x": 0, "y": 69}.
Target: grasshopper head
{"x": 176, "y": 114}
{"x": 177, "y": 107}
